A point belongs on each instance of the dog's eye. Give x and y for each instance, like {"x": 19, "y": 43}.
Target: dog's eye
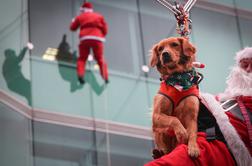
{"x": 174, "y": 44}
{"x": 160, "y": 49}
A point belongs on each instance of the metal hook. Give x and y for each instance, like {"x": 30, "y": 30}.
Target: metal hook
{"x": 184, "y": 24}
{"x": 187, "y": 7}
{"x": 169, "y": 6}
{"x": 189, "y": 4}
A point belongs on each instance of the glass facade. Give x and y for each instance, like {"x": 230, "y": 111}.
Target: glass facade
{"x": 97, "y": 123}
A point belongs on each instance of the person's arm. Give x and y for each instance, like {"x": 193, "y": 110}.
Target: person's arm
{"x": 74, "y": 24}
{"x": 104, "y": 26}
{"x": 22, "y": 54}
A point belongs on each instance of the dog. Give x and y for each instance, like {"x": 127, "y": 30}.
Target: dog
{"x": 175, "y": 110}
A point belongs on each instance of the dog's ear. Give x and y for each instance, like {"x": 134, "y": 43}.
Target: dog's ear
{"x": 154, "y": 56}
{"x": 187, "y": 48}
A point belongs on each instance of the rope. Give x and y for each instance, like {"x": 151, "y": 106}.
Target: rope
{"x": 141, "y": 32}
{"x": 143, "y": 56}
{"x": 143, "y": 50}
{"x": 246, "y": 118}
{"x": 106, "y": 116}
{"x": 95, "y": 157}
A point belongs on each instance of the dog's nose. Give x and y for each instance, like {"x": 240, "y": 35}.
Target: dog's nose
{"x": 166, "y": 57}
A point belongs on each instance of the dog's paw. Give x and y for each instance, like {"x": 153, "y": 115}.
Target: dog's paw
{"x": 156, "y": 153}
{"x": 181, "y": 135}
{"x": 193, "y": 151}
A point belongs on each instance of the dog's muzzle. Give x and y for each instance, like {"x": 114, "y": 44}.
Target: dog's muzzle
{"x": 166, "y": 57}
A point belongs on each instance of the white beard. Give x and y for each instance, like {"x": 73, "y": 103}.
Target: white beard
{"x": 239, "y": 82}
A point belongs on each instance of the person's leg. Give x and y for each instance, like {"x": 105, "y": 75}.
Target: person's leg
{"x": 84, "y": 50}
{"x": 99, "y": 57}
{"x": 211, "y": 153}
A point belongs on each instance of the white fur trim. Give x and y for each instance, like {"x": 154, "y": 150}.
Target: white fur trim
{"x": 93, "y": 37}
{"x": 84, "y": 9}
{"x": 245, "y": 53}
{"x": 235, "y": 144}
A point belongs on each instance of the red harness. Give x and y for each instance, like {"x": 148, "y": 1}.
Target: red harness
{"x": 175, "y": 95}
{"x": 246, "y": 103}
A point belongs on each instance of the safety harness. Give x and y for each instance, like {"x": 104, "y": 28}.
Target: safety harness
{"x": 207, "y": 122}
{"x": 178, "y": 86}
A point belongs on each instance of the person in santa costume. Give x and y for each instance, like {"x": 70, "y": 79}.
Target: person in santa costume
{"x": 93, "y": 29}
{"x": 224, "y": 123}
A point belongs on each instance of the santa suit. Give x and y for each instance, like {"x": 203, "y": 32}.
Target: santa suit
{"x": 235, "y": 149}
{"x": 93, "y": 30}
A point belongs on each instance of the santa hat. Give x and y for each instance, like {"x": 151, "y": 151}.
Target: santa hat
{"x": 245, "y": 53}
{"x": 87, "y": 6}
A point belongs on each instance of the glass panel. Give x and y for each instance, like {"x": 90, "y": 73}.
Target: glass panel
{"x": 215, "y": 36}
{"x": 16, "y": 138}
{"x": 59, "y": 145}
{"x": 47, "y": 29}
{"x": 245, "y": 27}
{"x": 157, "y": 23}
{"x": 14, "y": 55}
{"x": 122, "y": 43}
{"x": 49, "y": 21}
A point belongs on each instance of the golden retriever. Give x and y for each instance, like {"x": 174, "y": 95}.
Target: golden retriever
{"x": 175, "y": 113}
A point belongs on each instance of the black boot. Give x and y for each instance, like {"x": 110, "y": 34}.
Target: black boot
{"x": 81, "y": 80}
{"x": 106, "y": 81}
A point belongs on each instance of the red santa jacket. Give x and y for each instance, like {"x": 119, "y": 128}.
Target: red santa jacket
{"x": 92, "y": 26}
{"x": 233, "y": 129}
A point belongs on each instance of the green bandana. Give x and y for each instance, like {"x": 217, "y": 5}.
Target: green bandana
{"x": 184, "y": 81}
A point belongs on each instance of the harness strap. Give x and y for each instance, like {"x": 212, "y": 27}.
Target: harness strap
{"x": 246, "y": 118}
{"x": 168, "y": 97}
{"x": 210, "y": 134}
{"x": 213, "y": 132}
{"x": 233, "y": 107}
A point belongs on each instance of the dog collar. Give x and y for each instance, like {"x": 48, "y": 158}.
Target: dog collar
{"x": 185, "y": 80}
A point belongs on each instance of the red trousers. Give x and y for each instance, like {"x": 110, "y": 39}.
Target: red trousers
{"x": 211, "y": 154}
{"x": 84, "y": 49}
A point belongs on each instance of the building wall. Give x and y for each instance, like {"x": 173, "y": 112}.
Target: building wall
{"x": 134, "y": 26}
{"x": 15, "y": 65}
{"x": 51, "y": 87}
{"x": 16, "y": 133}
{"x": 16, "y": 138}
